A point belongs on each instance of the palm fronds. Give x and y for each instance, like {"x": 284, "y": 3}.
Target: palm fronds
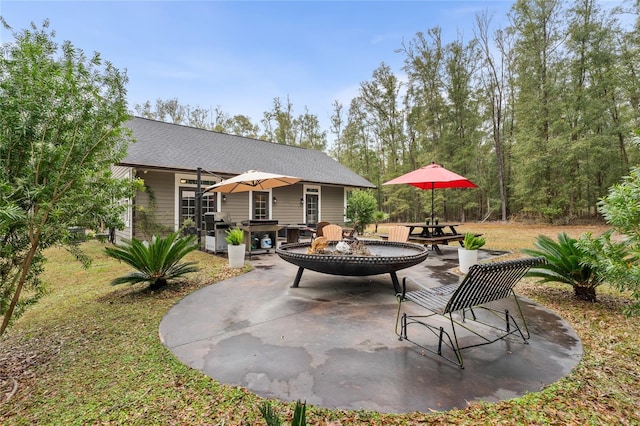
{"x": 566, "y": 263}
{"x": 272, "y": 419}
{"x": 157, "y": 261}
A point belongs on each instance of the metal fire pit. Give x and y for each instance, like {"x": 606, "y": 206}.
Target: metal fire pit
{"x": 386, "y": 258}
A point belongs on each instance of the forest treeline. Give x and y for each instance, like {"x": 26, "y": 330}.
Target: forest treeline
{"x": 540, "y": 114}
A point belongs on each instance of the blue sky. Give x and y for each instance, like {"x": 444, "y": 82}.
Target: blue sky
{"x": 240, "y": 55}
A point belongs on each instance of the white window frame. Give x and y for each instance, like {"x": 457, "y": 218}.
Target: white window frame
{"x": 270, "y": 196}
{"x": 313, "y": 190}
{"x": 177, "y": 208}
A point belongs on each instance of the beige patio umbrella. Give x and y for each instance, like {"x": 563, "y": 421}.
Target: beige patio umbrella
{"x": 252, "y": 181}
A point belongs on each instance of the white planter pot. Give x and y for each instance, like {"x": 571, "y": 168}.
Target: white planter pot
{"x": 236, "y": 255}
{"x": 467, "y": 258}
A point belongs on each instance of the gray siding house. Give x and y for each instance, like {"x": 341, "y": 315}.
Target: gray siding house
{"x": 167, "y": 156}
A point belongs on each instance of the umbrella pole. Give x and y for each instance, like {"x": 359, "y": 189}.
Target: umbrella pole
{"x": 432, "y": 218}
{"x": 199, "y": 206}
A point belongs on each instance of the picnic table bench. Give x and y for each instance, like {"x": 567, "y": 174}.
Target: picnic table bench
{"x": 434, "y": 234}
{"x": 437, "y": 239}
{"x": 484, "y": 283}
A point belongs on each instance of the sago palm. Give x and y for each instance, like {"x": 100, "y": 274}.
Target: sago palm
{"x": 156, "y": 262}
{"x": 566, "y": 263}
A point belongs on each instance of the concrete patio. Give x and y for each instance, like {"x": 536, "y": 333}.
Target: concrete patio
{"x": 331, "y": 342}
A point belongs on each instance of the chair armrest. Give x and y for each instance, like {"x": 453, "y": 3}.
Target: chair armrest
{"x": 404, "y": 286}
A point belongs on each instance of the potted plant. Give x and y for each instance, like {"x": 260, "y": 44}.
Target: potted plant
{"x": 236, "y": 247}
{"x": 468, "y": 255}
{"x": 189, "y": 227}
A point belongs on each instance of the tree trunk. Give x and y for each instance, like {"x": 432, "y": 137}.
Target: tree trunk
{"x": 25, "y": 267}
{"x": 158, "y": 284}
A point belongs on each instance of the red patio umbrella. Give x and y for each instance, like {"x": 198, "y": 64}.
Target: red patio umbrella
{"x": 433, "y": 176}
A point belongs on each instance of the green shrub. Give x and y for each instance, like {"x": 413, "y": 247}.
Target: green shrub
{"x": 272, "y": 419}
{"x": 378, "y": 217}
{"x": 235, "y": 236}
{"x": 156, "y": 262}
{"x": 188, "y": 227}
{"x": 361, "y": 207}
{"x": 619, "y": 258}
{"x": 473, "y": 242}
{"x": 566, "y": 263}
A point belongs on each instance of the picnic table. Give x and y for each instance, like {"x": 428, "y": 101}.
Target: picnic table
{"x": 433, "y": 234}
{"x": 293, "y": 233}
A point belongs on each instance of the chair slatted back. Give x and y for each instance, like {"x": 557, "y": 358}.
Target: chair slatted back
{"x": 398, "y": 234}
{"x": 332, "y": 232}
{"x": 488, "y": 282}
{"x": 319, "y": 227}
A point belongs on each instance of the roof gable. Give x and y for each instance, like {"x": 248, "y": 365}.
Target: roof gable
{"x": 178, "y": 147}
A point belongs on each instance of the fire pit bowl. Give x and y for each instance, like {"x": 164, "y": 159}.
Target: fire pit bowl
{"x": 386, "y": 258}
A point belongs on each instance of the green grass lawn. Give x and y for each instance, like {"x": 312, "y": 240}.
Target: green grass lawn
{"x": 89, "y": 353}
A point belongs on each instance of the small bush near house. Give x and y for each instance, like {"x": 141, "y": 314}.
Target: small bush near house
{"x": 361, "y": 207}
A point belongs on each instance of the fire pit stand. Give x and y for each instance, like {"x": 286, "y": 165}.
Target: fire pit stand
{"x": 386, "y": 258}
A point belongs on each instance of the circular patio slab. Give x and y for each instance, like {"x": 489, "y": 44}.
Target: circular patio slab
{"x": 331, "y": 342}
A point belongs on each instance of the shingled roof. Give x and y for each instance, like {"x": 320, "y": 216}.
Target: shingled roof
{"x": 176, "y": 147}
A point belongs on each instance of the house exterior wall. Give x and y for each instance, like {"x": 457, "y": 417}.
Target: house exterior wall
{"x": 156, "y": 204}
{"x": 163, "y": 187}
{"x": 237, "y": 205}
{"x": 332, "y": 207}
{"x": 288, "y": 209}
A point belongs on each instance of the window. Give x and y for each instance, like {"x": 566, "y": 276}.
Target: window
{"x": 125, "y": 212}
{"x": 260, "y": 205}
{"x": 188, "y": 204}
{"x": 312, "y": 205}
